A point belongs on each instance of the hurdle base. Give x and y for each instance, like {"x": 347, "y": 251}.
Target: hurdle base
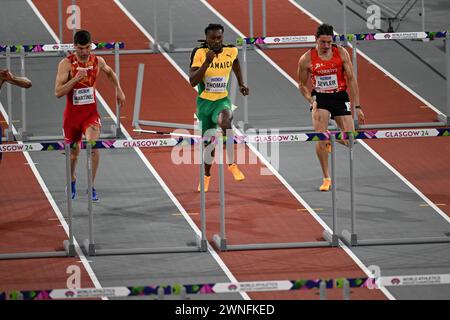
{"x": 444, "y": 118}
{"x": 332, "y": 238}
{"x": 279, "y": 245}
{"x": 9, "y": 135}
{"x": 221, "y": 244}
{"x": 202, "y": 244}
{"x": 32, "y": 255}
{"x": 350, "y": 239}
{"x": 243, "y": 126}
{"x": 117, "y": 131}
{"x": 69, "y": 248}
{"x": 131, "y": 251}
{"x": 89, "y": 248}
{"x": 168, "y": 47}
{"x": 23, "y": 135}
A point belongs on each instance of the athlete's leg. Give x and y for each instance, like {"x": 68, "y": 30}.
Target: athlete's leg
{"x": 224, "y": 121}
{"x": 92, "y": 133}
{"x": 345, "y": 123}
{"x": 320, "y": 119}
{"x": 74, "y": 152}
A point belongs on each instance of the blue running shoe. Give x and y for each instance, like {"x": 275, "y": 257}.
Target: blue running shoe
{"x": 94, "y": 195}
{"x": 73, "y": 186}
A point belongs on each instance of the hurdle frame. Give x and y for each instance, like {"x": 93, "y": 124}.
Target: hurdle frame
{"x": 331, "y": 239}
{"x": 68, "y": 245}
{"x": 89, "y": 245}
{"x": 136, "y": 122}
{"x": 53, "y": 50}
{"x": 351, "y": 238}
{"x": 350, "y": 40}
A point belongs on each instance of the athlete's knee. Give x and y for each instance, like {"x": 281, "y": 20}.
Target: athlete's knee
{"x": 95, "y": 153}
{"x": 224, "y": 119}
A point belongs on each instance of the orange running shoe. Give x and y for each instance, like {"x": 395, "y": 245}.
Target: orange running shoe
{"x": 237, "y": 174}
{"x": 328, "y": 147}
{"x": 206, "y": 182}
{"x": 326, "y": 185}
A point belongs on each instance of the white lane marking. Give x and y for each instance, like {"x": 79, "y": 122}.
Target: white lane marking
{"x": 42, "y": 183}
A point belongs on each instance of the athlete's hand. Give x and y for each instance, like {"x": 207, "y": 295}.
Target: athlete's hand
{"x": 313, "y": 106}
{"x": 121, "y": 98}
{"x": 361, "y": 116}
{"x": 81, "y": 74}
{"x": 6, "y": 75}
{"x": 244, "y": 90}
{"x": 210, "y": 56}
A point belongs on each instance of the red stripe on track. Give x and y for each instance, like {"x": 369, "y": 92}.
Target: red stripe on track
{"x": 25, "y": 227}
{"x": 250, "y": 215}
{"x": 421, "y": 161}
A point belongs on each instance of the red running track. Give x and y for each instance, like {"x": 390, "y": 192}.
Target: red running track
{"x": 28, "y": 223}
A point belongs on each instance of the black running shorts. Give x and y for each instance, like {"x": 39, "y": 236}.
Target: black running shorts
{"x": 337, "y": 103}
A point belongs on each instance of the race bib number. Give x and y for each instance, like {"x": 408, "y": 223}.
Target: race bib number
{"x": 328, "y": 82}
{"x": 216, "y": 84}
{"x": 83, "y": 96}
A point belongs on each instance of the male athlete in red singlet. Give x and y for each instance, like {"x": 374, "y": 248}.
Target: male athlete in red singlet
{"x": 76, "y": 79}
{"x": 330, "y": 69}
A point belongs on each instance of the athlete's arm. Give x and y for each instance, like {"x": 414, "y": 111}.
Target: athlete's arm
{"x": 7, "y": 76}
{"x": 62, "y": 83}
{"x": 303, "y": 75}
{"x": 237, "y": 71}
{"x": 113, "y": 78}
{"x": 352, "y": 83}
{"x": 196, "y": 74}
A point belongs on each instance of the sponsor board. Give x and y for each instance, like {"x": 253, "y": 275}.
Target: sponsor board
{"x": 400, "y": 36}
{"x": 276, "y": 138}
{"x": 414, "y": 280}
{"x": 89, "y": 293}
{"x": 289, "y": 39}
{"x": 20, "y": 147}
{"x": 407, "y": 133}
{"x": 62, "y": 47}
{"x": 145, "y": 143}
{"x": 252, "y": 286}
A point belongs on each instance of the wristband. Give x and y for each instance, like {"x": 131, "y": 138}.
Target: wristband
{"x": 358, "y": 107}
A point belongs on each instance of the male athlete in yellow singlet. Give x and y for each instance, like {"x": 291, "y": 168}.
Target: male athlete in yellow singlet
{"x": 210, "y": 69}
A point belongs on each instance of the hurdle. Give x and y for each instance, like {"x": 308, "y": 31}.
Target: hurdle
{"x": 330, "y": 237}
{"x": 348, "y": 237}
{"x": 351, "y": 237}
{"x": 68, "y": 245}
{"x": 301, "y": 41}
{"x": 52, "y": 50}
{"x": 89, "y": 244}
{"x": 137, "y": 108}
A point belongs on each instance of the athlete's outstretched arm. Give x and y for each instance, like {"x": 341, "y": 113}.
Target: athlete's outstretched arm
{"x": 113, "y": 78}
{"x": 237, "y": 71}
{"x": 7, "y": 76}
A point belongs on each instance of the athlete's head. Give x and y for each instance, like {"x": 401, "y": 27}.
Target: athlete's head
{"x": 214, "y": 37}
{"x": 324, "y": 38}
{"x": 82, "y": 43}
